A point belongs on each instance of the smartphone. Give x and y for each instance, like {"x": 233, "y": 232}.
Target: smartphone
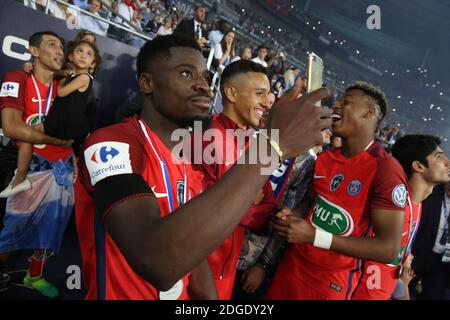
{"x": 314, "y": 73}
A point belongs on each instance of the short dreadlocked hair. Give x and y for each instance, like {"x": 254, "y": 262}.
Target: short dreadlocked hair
{"x": 373, "y": 92}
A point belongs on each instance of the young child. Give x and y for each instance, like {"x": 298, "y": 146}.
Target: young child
{"x": 72, "y": 114}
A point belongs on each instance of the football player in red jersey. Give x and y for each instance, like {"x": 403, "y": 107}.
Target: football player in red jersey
{"x": 147, "y": 240}
{"x": 37, "y": 218}
{"x": 246, "y": 96}
{"x": 355, "y": 188}
{"x": 426, "y": 166}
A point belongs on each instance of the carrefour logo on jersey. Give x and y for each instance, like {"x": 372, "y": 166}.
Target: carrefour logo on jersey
{"x": 331, "y": 218}
{"x": 107, "y": 159}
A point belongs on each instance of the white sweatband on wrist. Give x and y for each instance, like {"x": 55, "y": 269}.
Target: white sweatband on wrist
{"x": 323, "y": 239}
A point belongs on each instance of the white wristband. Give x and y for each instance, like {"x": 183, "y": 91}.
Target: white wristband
{"x": 323, "y": 239}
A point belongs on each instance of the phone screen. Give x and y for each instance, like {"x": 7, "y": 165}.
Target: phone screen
{"x": 314, "y": 73}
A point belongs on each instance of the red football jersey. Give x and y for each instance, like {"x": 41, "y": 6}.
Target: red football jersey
{"x": 378, "y": 280}
{"x": 18, "y": 91}
{"x": 129, "y": 147}
{"x": 227, "y": 150}
{"x": 347, "y": 189}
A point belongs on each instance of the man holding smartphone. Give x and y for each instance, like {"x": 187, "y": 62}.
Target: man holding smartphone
{"x": 355, "y": 188}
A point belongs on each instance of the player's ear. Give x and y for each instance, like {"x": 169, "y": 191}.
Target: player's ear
{"x": 371, "y": 111}
{"x": 417, "y": 167}
{"x": 146, "y": 83}
{"x": 34, "y": 51}
{"x": 230, "y": 93}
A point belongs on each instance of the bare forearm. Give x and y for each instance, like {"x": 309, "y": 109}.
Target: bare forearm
{"x": 28, "y": 134}
{"x": 201, "y": 283}
{"x": 367, "y": 248}
{"x": 206, "y": 221}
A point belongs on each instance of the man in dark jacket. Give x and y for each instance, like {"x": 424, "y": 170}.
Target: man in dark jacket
{"x": 196, "y": 27}
{"x": 432, "y": 246}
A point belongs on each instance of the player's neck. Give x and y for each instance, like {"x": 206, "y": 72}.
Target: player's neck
{"x": 42, "y": 73}
{"x": 159, "y": 124}
{"x": 419, "y": 188}
{"x": 230, "y": 112}
{"x": 351, "y": 146}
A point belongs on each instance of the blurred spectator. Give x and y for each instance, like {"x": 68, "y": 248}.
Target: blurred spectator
{"x": 261, "y": 58}
{"x": 224, "y": 51}
{"x": 166, "y": 28}
{"x": 216, "y": 35}
{"x": 431, "y": 249}
{"x": 245, "y": 54}
{"x": 122, "y": 13}
{"x": 57, "y": 10}
{"x": 83, "y": 4}
{"x": 277, "y": 64}
{"x": 196, "y": 27}
{"x": 131, "y": 39}
{"x": 92, "y": 24}
{"x": 290, "y": 76}
{"x": 154, "y": 24}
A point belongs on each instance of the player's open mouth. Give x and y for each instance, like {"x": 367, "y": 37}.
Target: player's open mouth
{"x": 336, "y": 117}
{"x": 259, "y": 112}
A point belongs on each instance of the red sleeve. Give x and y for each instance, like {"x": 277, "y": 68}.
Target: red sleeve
{"x": 111, "y": 151}
{"x": 389, "y": 186}
{"x": 12, "y": 93}
{"x": 208, "y": 168}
